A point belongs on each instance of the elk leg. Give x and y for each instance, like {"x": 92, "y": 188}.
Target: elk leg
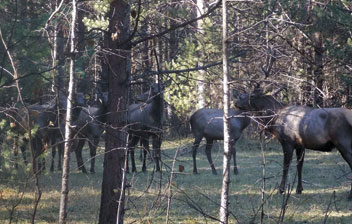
{"x": 23, "y": 151}
{"x": 93, "y": 152}
{"x": 38, "y": 149}
{"x": 44, "y": 147}
{"x": 60, "y": 152}
{"x": 194, "y": 153}
{"x": 208, "y": 153}
{"x": 233, "y": 151}
{"x": 346, "y": 152}
{"x": 300, "y": 160}
{"x": 133, "y": 162}
{"x": 15, "y": 151}
{"x": 53, "y": 153}
{"x": 146, "y": 151}
{"x": 141, "y": 151}
{"x": 288, "y": 151}
{"x": 156, "y": 149}
{"x": 79, "y": 158}
{"x": 133, "y": 140}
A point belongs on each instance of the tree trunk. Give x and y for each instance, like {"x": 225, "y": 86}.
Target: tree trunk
{"x": 318, "y": 69}
{"x": 227, "y": 153}
{"x": 118, "y": 68}
{"x": 201, "y": 73}
{"x": 66, "y": 161}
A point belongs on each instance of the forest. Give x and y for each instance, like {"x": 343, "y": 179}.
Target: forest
{"x": 150, "y": 86}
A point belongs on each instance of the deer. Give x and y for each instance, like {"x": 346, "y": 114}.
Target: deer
{"x": 301, "y": 127}
{"x": 145, "y": 120}
{"x": 209, "y": 124}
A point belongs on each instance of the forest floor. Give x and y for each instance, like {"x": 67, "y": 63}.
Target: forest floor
{"x": 194, "y": 198}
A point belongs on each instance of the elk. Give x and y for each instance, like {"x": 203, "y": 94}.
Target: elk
{"x": 145, "y": 120}
{"x": 57, "y": 134}
{"x": 44, "y": 118}
{"x": 301, "y": 127}
{"x": 89, "y": 126}
{"x": 209, "y": 123}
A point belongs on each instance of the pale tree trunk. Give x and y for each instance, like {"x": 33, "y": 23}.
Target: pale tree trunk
{"x": 118, "y": 69}
{"x": 318, "y": 69}
{"x": 201, "y": 73}
{"x": 223, "y": 214}
{"x": 66, "y": 161}
{"x": 58, "y": 60}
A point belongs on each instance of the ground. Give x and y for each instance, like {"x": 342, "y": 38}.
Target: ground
{"x": 195, "y": 198}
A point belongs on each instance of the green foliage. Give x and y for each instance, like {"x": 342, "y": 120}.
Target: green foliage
{"x": 199, "y": 49}
{"x": 20, "y": 26}
{"x": 182, "y": 93}
{"x": 99, "y": 19}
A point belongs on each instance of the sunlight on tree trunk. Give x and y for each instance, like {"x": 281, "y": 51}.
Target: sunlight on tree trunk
{"x": 66, "y": 161}
{"x": 227, "y": 153}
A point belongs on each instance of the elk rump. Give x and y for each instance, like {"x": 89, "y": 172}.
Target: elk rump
{"x": 209, "y": 123}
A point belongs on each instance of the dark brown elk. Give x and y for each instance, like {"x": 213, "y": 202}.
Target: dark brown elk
{"x": 300, "y": 127}
{"x": 145, "y": 120}
{"x": 209, "y": 123}
{"x": 44, "y": 119}
{"x": 89, "y": 126}
{"x": 41, "y": 122}
{"x": 58, "y": 131}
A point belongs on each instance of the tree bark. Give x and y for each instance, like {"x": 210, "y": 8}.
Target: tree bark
{"x": 227, "y": 152}
{"x": 66, "y": 161}
{"x": 118, "y": 69}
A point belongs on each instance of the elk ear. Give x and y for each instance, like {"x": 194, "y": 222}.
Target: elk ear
{"x": 235, "y": 94}
{"x": 258, "y": 91}
{"x": 278, "y": 90}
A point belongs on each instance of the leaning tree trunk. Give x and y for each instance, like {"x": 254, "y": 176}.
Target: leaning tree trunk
{"x": 227, "y": 153}
{"x": 66, "y": 161}
{"x": 118, "y": 68}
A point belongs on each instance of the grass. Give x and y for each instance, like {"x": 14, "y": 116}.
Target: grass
{"x": 195, "y": 198}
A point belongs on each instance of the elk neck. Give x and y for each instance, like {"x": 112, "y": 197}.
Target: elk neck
{"x": 267, "y": 107}
{"x": 157, "y": 106}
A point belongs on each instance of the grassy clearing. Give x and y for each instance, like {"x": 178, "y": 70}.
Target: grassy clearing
{"x": 192, "y": 195}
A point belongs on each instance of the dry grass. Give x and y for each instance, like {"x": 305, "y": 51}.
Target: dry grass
{"x": 323, "y": 173}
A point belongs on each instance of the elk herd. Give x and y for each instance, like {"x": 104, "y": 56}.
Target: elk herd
{"x": 295, "y": 127}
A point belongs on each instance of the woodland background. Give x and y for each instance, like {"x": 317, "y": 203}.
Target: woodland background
{"x": 302, "y": 47}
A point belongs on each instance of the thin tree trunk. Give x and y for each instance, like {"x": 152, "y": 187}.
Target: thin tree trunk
{"x": 118, "y": 70}
{"x": 227, "y": 152}
{"x": 201, "y": 73}
{"x": 318, "y": 69}
{"x": 66, "y": 161}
